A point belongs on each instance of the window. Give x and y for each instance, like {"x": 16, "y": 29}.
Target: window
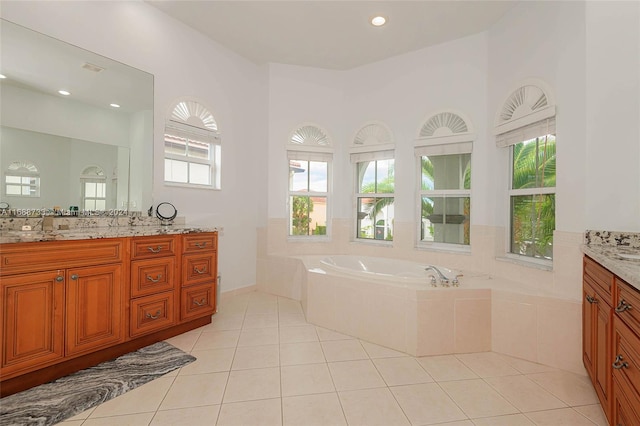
{"x": 94, "y": 189}
{"x": 309, "y": 167}
{"x": 532, "y": 197}
{"x": 445, "y": 198}
{"x": 374, "y": 199}
{"x": 192, "y": 147}
{"x": 526, "y": 125}
{"x": 308, "y": 188}
{"x": 22, "y": 179}
{"x": 443, "y": 152}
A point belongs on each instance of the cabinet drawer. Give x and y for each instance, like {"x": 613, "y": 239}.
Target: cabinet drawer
{"x": 598, "y": 277}
{"x": 198, "y": 269}
{"x": 199, "y": 242}
{"x": 152, "y": 313}
{"x": 197, "y": 301}
{"x": 28, "y": 257}
{"x": 627, "y": 305}
{"x": 151, "y": 247}
{"x": 626, "y": 348}
{"x": 151, "y": 276}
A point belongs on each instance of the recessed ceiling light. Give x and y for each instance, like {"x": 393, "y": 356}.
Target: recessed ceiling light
{"x": 3, "y": 76}
{"x": 115, "y": 105}
{"x": 378, "y": 21}
{"x": 64, "y": 92}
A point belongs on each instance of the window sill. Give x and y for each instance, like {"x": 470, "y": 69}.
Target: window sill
{"x": 373, "y": 242}
{"x": 309, "y": 239}
{"x": 544, "y": 265}
{"x": 191, "y": 185}
{"x": 445, "y": 248}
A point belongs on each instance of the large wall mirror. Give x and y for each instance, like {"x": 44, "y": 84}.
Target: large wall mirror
{"x": 91, "y": 148}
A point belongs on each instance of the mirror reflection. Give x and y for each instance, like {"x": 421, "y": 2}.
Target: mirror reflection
{"x": 76, "y": 128}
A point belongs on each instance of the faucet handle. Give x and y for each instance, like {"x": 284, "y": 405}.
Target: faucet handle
{"x": 455, "y": 281}
{"x": 433, "y": 281}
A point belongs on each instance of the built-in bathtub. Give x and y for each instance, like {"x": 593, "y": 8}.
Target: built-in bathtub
{"x": 394, "y": 303}
{"x": 393, "y": 272}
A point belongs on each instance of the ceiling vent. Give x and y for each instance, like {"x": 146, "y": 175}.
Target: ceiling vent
{"x": 91, "y": 67}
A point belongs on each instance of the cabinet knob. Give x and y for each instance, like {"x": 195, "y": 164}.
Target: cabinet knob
{"x": 201, "y": 245}
{"x": 59, "y": 278}
{"x": 622, "y": 306}
{"x": 618, "y": 364}
{"x": 154, "y": 280}
{"x": 74, "y": 276}
{"x": 200, "y": 271}
{"x": 156, "y": 316}
{"x": 155, "y": 250}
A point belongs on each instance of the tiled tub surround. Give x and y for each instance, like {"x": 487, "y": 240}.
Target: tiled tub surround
{"x": 607, "y": 247}
{"x": 521, "y": 311}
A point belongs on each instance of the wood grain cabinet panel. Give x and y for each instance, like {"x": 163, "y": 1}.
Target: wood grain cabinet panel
{"x": 94, "y": 308}
{"x": 152, "y": 313}
{"x": 32, "y": 321}
{"x": 152, "y": 276}
{"x": 199, "y": 243}
{"x": 198, "y": 268}
{"x": 152, "y": 247}
{"x": 197, "y": 301}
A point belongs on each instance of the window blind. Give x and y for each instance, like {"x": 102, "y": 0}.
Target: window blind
{"x": 444, "y": 149}
{"x": 525, "y": 133}
{"x": 360, "y": 157}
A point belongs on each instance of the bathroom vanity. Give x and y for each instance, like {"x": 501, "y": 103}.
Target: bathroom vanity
{"x": 82, "y": 299}
{"x": 611, "y": 329}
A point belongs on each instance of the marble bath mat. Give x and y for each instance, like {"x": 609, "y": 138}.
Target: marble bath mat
{"x": 56, "y": 401}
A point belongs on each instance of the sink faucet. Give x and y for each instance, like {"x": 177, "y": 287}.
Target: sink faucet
{"x": 444, "y": 280}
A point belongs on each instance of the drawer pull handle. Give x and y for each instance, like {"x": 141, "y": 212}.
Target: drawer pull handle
{"x": 156, "y": 316}
{"x": 201, "y": 245}
{"x": 74, "y": 276}
{"x": 155, "y": 250}
{"x": 154, "y": 280}
{"x": 198, "y": 271}
{"x": 618, "y": 364}
{"x": 622, "y": 306}
{"x": 59, "y": 278}
{"x": 591, "y": 299}
{"x": 201, "y": 303}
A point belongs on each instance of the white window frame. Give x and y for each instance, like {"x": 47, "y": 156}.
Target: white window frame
{"x": 22, "y": 170}
{"x": 196, "y": 134}
{"x": 367, "y": 157}
{"x": 310, "y": 155}
{"x": 436, "y": 150}
{"x": 526, "y": 132}
{"x": 97, "y": 177}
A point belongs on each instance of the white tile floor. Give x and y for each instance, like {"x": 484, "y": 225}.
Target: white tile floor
{"x": 261, "y": 363}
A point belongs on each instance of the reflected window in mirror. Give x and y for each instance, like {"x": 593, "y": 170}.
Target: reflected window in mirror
{"x": 22, "y": 179}
{"x": 94, "y": 188}
{"x": 192, "y": 147}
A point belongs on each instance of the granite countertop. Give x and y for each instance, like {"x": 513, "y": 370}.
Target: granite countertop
{"x": 98, "y": 232}
{"x": 613, "y": 258}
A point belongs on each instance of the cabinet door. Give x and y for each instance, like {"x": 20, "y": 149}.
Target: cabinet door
{"x": 603, "y": 370}
{"x": 32, "y": 321}
{"x": 94, "y": 308}
{"x": 588, "y": 332}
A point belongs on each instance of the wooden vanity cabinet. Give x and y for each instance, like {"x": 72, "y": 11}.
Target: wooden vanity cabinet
{"x": 48, "y": 315}
{"x": 68, "y": 305}
{"x": 199, "y": 275}
{"x": 154, "y": 283}
{"x": 596, "y": 329}
{"x": 611, "y": 342}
